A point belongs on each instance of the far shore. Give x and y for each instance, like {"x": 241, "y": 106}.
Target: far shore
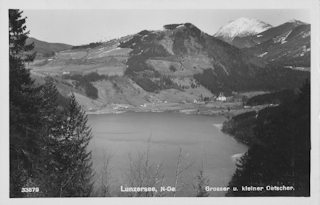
{"x": 226, "y": 109}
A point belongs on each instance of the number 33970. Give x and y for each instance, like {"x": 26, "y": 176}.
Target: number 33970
{"x": 30, "y": 189}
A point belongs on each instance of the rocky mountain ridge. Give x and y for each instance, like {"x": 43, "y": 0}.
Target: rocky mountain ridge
{"x": 252, "y": 40}
{"x": 290, "y": 48}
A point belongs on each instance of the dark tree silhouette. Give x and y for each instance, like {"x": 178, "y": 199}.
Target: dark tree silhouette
{"x": 75, "y": 160}
{"x": 48, "y": 140}
{"x": 24, "y": 101}
{"x": 279, "y": 152}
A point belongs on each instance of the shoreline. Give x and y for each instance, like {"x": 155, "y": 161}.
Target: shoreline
{"x": 181, "y": 108}
{"x": 225, "y": 109}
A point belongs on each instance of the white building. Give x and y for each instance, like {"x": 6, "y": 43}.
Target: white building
{"x": 221, "y": 97}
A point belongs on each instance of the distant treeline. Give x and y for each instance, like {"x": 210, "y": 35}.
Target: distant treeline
{"x": 279, "y": 148}
{"x": 85, "y": 82}
{"x": 160, "y": 82}
{"x": 44, "y": 54}
{"x": 90, "y": 45}
{"x": 272, "y": 98}
{"x": 82, "y": 82}
{"x": 49, "y": 54}
{"x": 271, "y": 78}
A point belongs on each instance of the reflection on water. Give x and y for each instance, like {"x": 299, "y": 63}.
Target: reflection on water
{"x": 197, "y": 135}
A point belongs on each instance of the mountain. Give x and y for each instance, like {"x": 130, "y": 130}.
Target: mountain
{"x": 289, "y": 46}
{"x": 182, "y": 46}
{"x": 182, "y": 50}
{"x": 179, "y": 63}
{"x": 241, "y": 27}
{"x": 45, "y": 49}
{"x": 250, "y": 41}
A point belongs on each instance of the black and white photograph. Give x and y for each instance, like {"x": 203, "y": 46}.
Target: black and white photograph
{"x": 179, "y": 100}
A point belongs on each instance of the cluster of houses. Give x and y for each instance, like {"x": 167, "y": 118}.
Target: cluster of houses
{"x": 220, "y": 98}
{"x": 223, "y": 98}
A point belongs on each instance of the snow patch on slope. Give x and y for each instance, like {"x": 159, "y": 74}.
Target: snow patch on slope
{"x": 281, "y": 39}
{"x": 304, "y": 50}
{"x": 263, "y": 54}
{"x": 305, "y": 35}
{"x": 242, "y": 27}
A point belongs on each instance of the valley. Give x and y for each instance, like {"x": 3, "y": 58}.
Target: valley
{"x": 177, "y": 69}
{"x": 121, "y": 94}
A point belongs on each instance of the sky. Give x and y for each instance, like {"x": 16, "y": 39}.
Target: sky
{"x": 80, "y": 26}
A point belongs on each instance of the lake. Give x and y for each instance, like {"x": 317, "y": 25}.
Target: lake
{"x": 198, "y": 136}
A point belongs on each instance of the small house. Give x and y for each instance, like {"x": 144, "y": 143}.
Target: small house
{"x": 221, "y": 97}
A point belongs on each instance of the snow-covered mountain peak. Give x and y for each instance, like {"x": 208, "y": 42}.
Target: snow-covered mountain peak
{"x": 242, "y": 27}
{"x": 243, "y": 20}
{"x": 296, "y": 22}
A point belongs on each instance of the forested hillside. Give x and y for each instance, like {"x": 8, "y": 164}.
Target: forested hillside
{"x": 184, "y": 50}
{"x": 273, "y": 98}
{"x": 271, "y": 78}
{"x": 87, "y": 46}
{"x": 279, "y": 148}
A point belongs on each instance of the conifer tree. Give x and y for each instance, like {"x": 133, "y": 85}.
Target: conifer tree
{"x": 18, "y": 37}
{"x": 281, "y": 153}
{"x": 74, "y": 159}
{"x": 24, "y": 99}
{"x": 51, "y": 130}
{"x": 64, "y": 168}
{"x": 48, "y": 144}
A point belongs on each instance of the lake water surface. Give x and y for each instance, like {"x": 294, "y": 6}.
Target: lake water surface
{"x": 199, "y": 137}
